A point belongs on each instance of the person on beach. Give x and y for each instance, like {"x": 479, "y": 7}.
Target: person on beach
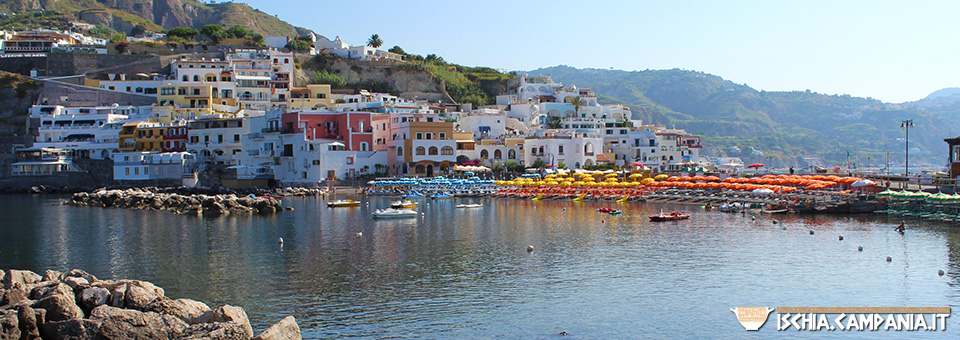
{"x": 901, "y": 227}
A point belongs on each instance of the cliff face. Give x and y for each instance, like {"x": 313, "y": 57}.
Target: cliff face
{"x": 17, "y": 93}
{"x": 412, "y": 85}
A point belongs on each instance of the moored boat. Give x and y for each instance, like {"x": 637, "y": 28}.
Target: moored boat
{"x": 474, "y": 205}
{"x": 394, "y": 213}
{"x": 412, "y": 195}
{"x": 343, "y": 204}
{"x": 441, "y": 195}
{"x": 673, "y": 216}
{"x": 610, "y": 211}
{"x": 405, "y": 204}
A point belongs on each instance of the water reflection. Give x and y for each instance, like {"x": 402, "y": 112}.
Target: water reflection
{"x": 465, "y": 273}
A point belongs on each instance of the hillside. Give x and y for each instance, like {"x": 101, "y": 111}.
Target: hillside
{"x": 123, "y": 15}
{"x": 783, "y": 125}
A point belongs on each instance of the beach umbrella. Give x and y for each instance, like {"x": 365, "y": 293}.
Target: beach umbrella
{"x": 755, "y": 165}
{"x": 886, "y": 193}
{"x": 862, "y": 183}
{"x": 661, "y": 177}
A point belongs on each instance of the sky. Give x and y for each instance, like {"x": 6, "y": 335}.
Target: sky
{"x": 894, "y": 51}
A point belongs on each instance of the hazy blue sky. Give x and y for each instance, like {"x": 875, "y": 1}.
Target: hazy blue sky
{"x": 894, "y": 51}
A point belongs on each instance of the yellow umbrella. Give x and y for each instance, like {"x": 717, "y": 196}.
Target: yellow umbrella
{"x": 647, "y": 180}
{"x": 661, "y": 177}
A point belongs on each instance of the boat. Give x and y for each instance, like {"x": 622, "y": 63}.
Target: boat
{"x": 394, "y": 213}
{"x": 343, "y": 203}
{"x": 580, "y": 198}
{"x": 408, "y": 204}
{"x": 538, "y": 197}
{"x": 731, "y": 207}
{"x": 412, "y": 195}
{"x": 775, "y": 209}
{"x": 441, "y": 195}
{"x": 610, "y": 211}
{"x": 624, "y": 199}
{"x": 673, "y": 216}
{"x": 474, "y": 205}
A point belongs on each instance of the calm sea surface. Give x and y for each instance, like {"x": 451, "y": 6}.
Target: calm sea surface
{"x": 466, "y": 274}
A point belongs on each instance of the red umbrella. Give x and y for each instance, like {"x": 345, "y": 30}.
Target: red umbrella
{"x": 755, "y": 165}
{"x": 637, "y": 164}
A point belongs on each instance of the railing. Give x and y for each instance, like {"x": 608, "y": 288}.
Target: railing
{"x": 270, "y": 129}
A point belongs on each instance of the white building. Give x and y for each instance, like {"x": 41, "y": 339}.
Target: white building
{"x": 87, "y": 132}
{"x": 262, "y": 146}
{"x": 217, "y": 140}
{"x": 152, "y": 166}
{"x": 573, "y": 150}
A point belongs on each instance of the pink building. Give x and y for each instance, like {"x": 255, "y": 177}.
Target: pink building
{"x": 353, "y": 129}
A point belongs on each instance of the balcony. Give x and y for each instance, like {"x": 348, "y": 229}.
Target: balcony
{"x": 270, "y": 129}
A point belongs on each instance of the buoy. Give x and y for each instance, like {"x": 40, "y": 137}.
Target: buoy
{"x": 774, "y": 221}
{"x": 811, "y": 232}
{"x": 940, "y": 272}
{"x": 359, "y": 234}
{"x": 603, "y": 221}
{"x": 530, "y": 248}
{"x": 841, "y": 237}
{"x": 753, "y": 218}
{"x": 564, "y": 208}
{"x": 860, "y": 248}
{"x": 280, "y": 240}
{"x": 563, "y": 333}
{"x": 889, "y": 259}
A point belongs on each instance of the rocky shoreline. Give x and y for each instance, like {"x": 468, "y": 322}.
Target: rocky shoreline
{"x": 187, "y": 201}
{"x": 76, "y": 305}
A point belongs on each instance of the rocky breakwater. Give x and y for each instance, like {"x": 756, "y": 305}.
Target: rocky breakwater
{"x": 76, "y": 305}
{"x": 207, "y": 205}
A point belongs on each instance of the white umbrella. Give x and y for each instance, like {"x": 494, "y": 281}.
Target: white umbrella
{"x": 862, "y": 183}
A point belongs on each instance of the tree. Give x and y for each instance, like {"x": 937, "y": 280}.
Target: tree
{"x": 375, "y": 41}
{"x": 577, "y": 103}
{"x": 324, "y": 77}
{"x": 435, "y": 59}
{"x": 553, "y": 122}
{"x": 561, "y": 165}
{"x": 539, "y": 163}
{"x": 212, "y": 32}
{"x": 138, "y": 30}
{"x": 121, "y": 47}
{"x": 298, "y": 45}
{"x": 397, "y": 50}
{"x": 183, "y": 32}
{"x": 238, "y": 32}
{"x": 256, "y": 40}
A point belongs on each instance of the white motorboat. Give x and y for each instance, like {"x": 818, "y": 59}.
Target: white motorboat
{"x": 474, "y": 205}
{"x": 408, "y": 204}
{"x": 394, "y": 213}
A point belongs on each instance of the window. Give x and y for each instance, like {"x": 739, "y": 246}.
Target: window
{"x": 128, "y": 88}
{"x": 194, "y": 139}
{"x": 136, "y": 171}
{"x": 433, "y": 151}
{"x": 419, "y": 135}
{"x": 127, "y": 171}
{"x": 167, "y": 91}
{"x": 561, "y": 149}
{"x": 181, "y": 91}
{"x": 400, "y": 151}
{"x": 429, "y": 135}
{"x": 219, "y": 139}
{"x": 185, "y": 78}
{"x": 196, "y": 92}
{"x": 443, "y": 135}
{"x": 211, "y": 78}
{"x": 196, "y": 77}
{"x": 146, "y": 170}
{"x": 484, "y": 154}
{"x": 421, "y": 151}
{"x": 446, "y": 151}
{"x": 363, "y": 146}
{"x": 512, "y": 154}
{"x": 236, "y": 138}
{"x": 497, "y": 154}
{"x": 349, "y": 160}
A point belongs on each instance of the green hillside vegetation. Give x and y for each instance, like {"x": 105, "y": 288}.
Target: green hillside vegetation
{"x": 783, "y": 125}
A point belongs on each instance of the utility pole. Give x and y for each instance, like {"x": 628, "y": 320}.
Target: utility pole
{"x": 906, "y": 125}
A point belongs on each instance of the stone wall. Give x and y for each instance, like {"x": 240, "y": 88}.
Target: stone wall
{"x": 23, "y": 65}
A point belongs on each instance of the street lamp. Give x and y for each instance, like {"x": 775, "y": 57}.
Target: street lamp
{"x": 906, "y": 125}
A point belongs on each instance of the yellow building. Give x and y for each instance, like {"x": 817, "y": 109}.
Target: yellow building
{"x": 150, "y": 137}
{"x": 314, "y": 96}
{"x": 128, "y": 137}
{"x": 422, "y": 149}
{"x": 183, "y": 102}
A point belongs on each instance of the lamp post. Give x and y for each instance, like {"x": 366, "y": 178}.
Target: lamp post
{"x": 906, "y": 125}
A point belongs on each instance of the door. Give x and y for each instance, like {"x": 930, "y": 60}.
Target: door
{"x": 429, "y": 170}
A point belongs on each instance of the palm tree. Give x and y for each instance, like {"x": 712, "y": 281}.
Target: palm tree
{"x": 375, "y": 41}
{"x": 577, "y": 103}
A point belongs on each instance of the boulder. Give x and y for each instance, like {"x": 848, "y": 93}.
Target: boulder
{"x": 82, "y": 274}
{"x": 76, "y": 282}
{"x": 137, "y": 297}
{"x": 215, "y": 331}
{"x": 228, "y": 313}
{"x": 286, "y": 329}
{"x": 20, "y": 278}
{"x": 27, "y": 319}
{"x": 59, "y": 307}
{"x": 76, "y": 329}
{"x": 12, "y": 296}
{"x": 9, "y": 325}
{"x": 49, "y": 289}
{"x": 52, "y": 275}
{"x": 117, "y": 323}
{"x": 185, "y": 309}
{"x": 93, "y": 297}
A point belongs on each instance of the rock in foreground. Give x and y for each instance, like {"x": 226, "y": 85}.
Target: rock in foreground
{"x": 78, "y": 306}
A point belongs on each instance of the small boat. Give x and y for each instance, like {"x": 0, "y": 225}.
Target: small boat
{"x": 343, "y": 203}
{"x": 624, "y": 199}
{"x": 412, "y": 195}
{"x": 538, "y": 197}
{"x": 674, "y": 216}
{"x": 610, "y": 211}
{"x": 731, "y": 207}
{"x": 408, "y": 204}
{"x": 441, "y": 195}
{"x": 394, "y": 213}
{"x": 273, "y": 196}
{"x": 775, "y": 209}
{"x": 469, "y": 205}
{"x": 580, "y": 198}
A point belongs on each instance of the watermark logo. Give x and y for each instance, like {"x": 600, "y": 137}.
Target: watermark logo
{"x": 752, "y": 318}
{"x": 846, "y": 318}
